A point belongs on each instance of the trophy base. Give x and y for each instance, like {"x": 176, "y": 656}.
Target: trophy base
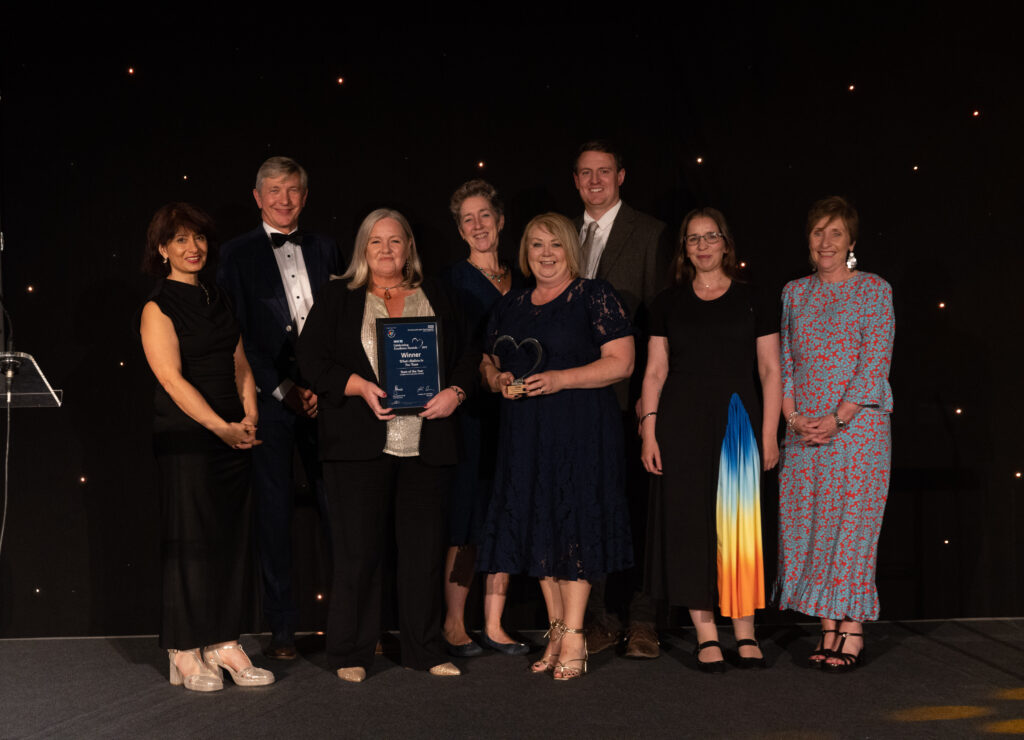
{"x": 517, "y": 388}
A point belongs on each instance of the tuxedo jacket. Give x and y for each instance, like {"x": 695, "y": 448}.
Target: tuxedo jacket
{"x": 635, "y": 261}
{"x": 248, "y": 272}
{"x": 331, "y": 350}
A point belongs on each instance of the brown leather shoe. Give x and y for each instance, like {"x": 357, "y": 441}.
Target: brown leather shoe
{"x": 642, "y": 642}
{"x": 600, "y": 638}
{"x": 280, "y": 652}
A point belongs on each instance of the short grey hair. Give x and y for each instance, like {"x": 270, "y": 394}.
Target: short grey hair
{"x": 278, "y": 166}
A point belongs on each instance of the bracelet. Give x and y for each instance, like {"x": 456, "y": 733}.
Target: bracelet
{"x": 840, "y": 424}
{"x": 459, "y": 393}
{"x": 649, "y": 413}
{"x": 789, "y": 419}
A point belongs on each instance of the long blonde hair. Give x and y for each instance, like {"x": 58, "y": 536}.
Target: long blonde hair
{"x": 358, "y": 272}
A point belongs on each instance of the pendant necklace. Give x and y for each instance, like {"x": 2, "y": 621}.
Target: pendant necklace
{"x": 495, "y": 276}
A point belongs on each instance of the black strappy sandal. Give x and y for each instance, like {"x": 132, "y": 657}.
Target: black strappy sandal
{"x": 850, "y": 661}
{"x": 821, "y": 653}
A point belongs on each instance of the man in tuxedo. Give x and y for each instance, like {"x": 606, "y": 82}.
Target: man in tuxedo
{"x": 631, "y": 251}
{"x": 272, "y": 275}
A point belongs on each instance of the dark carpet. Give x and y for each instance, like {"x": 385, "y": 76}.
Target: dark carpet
{"x": 956, "y": 678}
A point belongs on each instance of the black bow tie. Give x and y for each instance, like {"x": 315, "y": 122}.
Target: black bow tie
{"x": 279, "y": 239}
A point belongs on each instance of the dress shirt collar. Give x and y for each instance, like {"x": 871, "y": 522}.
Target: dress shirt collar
{"x": 607, "y": 219}
{"x": 271, "y": 230}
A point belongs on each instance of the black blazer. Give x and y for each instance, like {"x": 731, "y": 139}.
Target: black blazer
{"x": 249, "y": 274}
{"x": 330, "y": 350}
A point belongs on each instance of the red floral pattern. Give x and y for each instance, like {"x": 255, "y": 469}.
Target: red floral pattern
{"x": 836, "y": 345}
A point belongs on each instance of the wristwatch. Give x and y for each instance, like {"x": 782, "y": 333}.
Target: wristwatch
{"x": 840, "y": 424}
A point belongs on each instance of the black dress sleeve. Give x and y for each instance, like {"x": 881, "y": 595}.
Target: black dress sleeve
{"x": 767, "y": 319}
{"x": 658, "y": 322}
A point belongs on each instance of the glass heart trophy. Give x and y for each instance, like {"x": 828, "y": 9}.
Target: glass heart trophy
{"x": 524, "y": 348}
{"x": 409, "y": 362}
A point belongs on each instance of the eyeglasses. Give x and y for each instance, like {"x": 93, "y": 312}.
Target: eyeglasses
{"x": 711, "y": 238}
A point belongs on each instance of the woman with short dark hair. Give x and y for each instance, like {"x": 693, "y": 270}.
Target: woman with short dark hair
{"x": 204, "y": 425}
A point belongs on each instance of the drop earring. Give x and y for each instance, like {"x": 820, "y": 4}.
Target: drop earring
{"x": 851, "y": 260}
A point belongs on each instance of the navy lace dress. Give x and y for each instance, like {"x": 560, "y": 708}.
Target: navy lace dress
{"x": 559, "y": 507}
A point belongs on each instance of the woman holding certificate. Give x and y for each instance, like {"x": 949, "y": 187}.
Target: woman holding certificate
{"x": 386, "y": 451}
{"x": 559, "y": 508}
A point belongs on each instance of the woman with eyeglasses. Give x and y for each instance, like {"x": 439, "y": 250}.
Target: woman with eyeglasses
{"x": 713, "y": 339}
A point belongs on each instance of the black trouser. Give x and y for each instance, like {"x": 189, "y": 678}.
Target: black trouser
{"x": 360, "y": 496}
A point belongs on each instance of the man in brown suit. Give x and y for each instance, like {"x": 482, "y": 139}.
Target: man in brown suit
{"x": 631, "y": 251}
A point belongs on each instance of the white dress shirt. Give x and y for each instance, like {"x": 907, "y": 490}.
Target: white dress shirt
{"x": 297, "y": 291}
{"x": 597, "y": 244}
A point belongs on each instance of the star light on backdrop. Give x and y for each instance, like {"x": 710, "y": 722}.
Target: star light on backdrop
{"x": 851, "y": 87}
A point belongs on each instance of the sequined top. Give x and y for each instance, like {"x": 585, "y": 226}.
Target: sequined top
{"x": 403, "y": 438}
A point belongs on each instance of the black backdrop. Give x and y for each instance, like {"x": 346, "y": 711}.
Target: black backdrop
{"x": 98, "y": 133}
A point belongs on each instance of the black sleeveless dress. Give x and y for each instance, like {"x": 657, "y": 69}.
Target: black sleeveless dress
{"x": 203, "y": 483}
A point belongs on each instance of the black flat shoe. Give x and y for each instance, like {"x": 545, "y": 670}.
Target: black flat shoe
{"x": 469, "y": 650}
{"x": 508, "y": 648}
{"x": 714, "y": 666}
{"x": 749, "y": 663}
{"x": 850, "y": 661}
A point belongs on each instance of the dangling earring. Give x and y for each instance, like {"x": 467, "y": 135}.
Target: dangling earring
{"x": 165, "y": 260}
{"x": 851, "y": 260}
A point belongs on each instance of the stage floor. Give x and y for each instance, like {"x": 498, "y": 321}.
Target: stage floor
{"x": 942, "y": 678}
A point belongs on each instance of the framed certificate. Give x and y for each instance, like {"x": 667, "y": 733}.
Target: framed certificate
{"x": 409, "y": 362}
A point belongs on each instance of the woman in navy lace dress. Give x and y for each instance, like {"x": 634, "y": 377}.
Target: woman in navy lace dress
{"x": 559, "y": 510}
